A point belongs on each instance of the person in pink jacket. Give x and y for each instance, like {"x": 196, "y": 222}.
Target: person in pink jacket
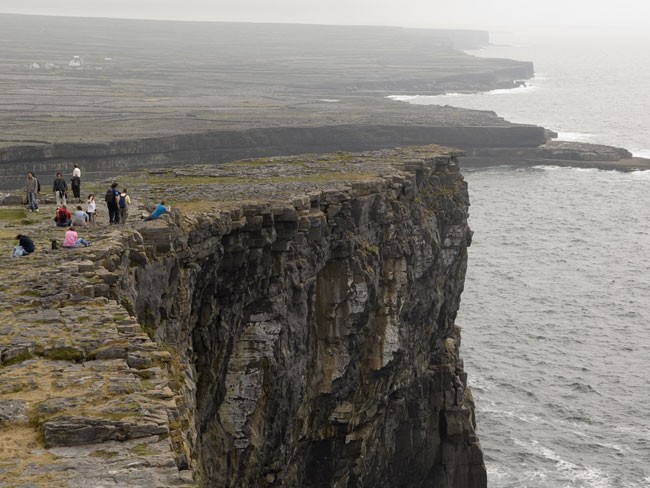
{"x": 72, "y": 239}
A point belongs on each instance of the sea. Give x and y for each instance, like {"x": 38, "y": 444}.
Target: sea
{"x": 555, "y": 314}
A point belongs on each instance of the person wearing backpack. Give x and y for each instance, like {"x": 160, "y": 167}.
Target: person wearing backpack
{"x": 112, "y": 195}
{"x": 63, "y": 217}
{"x": 123, "y": 203}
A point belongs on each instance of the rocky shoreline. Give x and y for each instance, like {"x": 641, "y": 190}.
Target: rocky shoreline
{"x": 558, "y": 153}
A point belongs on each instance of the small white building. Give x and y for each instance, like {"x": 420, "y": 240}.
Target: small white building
{"x": 76, "y": 62}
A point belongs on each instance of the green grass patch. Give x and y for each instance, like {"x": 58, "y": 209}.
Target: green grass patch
{"x": 12, "y": 214}
{"x": 64, "y": 354}
{"x": 142, "y": 450}
{"x": 248, "y": 179}
{"x": 19, "y": 358}
{"x": 103, "y": 454}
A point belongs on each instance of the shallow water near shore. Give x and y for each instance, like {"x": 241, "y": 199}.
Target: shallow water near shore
{"x": 555, "y": 318}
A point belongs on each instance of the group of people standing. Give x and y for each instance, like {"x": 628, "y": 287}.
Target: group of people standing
{"x": 118, "y": 203}
{"x": 59, "y": 187}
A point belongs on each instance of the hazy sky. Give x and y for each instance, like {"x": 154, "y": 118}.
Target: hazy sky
{"x": 410, "y": 13}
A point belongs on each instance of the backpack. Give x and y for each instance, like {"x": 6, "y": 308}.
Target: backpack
{"x": 110, "y": 196}
{"x": 122, "y": 200}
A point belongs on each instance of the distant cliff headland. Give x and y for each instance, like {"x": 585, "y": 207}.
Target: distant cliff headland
{"x": 116, "y": 95}
{"x": 113, "y": 95}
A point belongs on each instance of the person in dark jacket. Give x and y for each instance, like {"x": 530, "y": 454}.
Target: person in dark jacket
{"x": 25, "y": 246}
{"x": 60, "y": 189}
{"x": 112, "y": 196}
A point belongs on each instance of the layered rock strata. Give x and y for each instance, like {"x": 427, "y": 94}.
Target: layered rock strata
{"x": 305, "y": 311}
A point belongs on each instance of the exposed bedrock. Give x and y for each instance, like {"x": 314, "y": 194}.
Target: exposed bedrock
{"x": 102, "y": 159}
{"x": 317, "y": 336}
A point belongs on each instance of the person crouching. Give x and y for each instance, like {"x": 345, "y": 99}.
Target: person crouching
{"x": 63, "y": 217}
{"x": 25, "y": 246}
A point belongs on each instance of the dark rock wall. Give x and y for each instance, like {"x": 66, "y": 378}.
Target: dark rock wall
{"x": 107, "y": 159}
{"x": 317, "y": 338}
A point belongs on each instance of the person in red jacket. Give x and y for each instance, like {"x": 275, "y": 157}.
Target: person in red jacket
{"x": 63, "y": 217}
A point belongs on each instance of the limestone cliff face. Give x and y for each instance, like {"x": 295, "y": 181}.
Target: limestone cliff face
{"x": 317, "y": 336}
{"x": 104, "y": 160}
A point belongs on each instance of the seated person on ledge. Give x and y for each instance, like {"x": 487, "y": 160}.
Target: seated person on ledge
{"x": 25, "y": 246}
{"x": 158, "y": 211}
{"x": 63, "y": 217}
{"x": 72, "y": 239}
{"x": 80, "y": 217}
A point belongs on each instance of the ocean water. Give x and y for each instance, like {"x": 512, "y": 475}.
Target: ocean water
{"x": 556, "y": 307}
{"x": 589, "y": 86}
{"x": 555, "y": 317}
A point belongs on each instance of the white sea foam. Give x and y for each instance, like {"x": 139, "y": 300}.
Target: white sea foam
{"x": 511, "y": 91}
{"x": 583, "y": 475}
{"x": 574, "y": 136}
{"x": 402, "y": 98}
{"x": 495, "y": 472}
{"x": 437, "y": 99}
{"x": 328, "y": 100}
{"x": 641, "y": 174}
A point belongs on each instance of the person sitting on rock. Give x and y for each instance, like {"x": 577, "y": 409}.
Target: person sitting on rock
{"x": 71, "y": 239}
{"x": 63, "y": 217}
{"x": 25, "y": 246}
{"x": 80, "y": 217}
{"x": 158, "y": 211}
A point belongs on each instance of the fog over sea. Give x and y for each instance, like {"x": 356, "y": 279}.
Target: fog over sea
{"x": 556, "y": 307}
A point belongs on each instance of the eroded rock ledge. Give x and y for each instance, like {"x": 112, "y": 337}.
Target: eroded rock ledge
{"x": 303, "y": 311}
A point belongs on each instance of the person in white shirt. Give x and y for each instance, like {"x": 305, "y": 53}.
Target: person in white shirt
{"x": 76, "y": 183}
{"x": 91, "y": 209}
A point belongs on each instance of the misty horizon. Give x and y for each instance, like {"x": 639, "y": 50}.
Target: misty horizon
{"x": 624, "y": 16}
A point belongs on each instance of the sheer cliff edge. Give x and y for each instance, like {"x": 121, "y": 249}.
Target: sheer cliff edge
{"x": 290, "y": 323}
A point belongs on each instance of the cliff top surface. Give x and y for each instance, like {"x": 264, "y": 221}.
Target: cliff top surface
{"x": 85, "y": 395}
{"x": 92, "y": 80}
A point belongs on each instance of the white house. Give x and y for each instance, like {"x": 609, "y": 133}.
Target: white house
{"x": 76, "y": 62}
